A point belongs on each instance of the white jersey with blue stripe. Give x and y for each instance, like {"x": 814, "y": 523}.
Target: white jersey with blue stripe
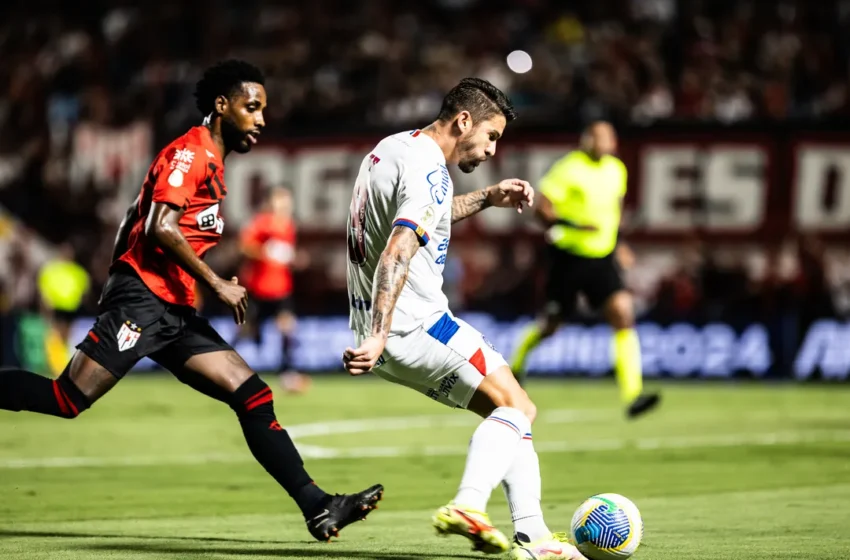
{"x": 403, "y": 182}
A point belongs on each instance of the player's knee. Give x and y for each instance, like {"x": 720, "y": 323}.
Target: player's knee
{"x": 620, "y": 311}
{"x": 72, "y": 402}
{"x": 530, "y": 411}
{"x": 518, "y": 399}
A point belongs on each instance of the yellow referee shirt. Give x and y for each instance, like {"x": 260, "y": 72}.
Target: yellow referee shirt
{"x": 63, "y": 285}
{"x": 588, "y": 193}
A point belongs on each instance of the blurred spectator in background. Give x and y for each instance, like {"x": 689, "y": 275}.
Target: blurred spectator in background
{"x": 268, "y": 245}
{"x": 86, "y": 97}
{"x": 62, "y": 284}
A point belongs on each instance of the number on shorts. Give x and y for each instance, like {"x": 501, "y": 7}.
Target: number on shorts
{"x": 357, "y": 225}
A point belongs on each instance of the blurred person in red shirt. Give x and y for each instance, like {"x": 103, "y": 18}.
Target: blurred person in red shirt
{"x": 268, "y": 244}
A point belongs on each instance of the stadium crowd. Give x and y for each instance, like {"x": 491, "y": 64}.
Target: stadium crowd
{"x": 337, "y": 66}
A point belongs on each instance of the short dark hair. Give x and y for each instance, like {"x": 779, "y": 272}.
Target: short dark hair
{"x": 224, "y": 78}
{"x": 481, "y": 98}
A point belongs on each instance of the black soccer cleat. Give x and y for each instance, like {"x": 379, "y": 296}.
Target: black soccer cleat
{"x": 343, "y": 510}
{"x": 642, "y": 405}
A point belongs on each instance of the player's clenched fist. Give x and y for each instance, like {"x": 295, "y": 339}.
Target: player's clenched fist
{"x": 363, "y": 358}
{"x": 234, "y": 296}
{"x": 511, "y": 193}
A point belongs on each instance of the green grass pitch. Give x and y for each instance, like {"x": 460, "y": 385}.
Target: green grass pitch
{"x": 155, "y": 471}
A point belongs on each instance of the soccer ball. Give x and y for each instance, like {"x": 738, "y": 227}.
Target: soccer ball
{"x": 607, "y": 527}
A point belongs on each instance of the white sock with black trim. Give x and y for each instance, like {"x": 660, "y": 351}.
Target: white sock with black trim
{"x": 522, "y": 487}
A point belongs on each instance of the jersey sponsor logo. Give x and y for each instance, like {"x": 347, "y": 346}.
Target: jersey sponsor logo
{"x": 442, "y": 251}
{"x": 176, "y": 178}
{"x": 182, "y": 160}
{"x": 360, "y": 304}
{"x": 448, "y": 383}
{"x": 279, "y": 251}
{"x": 128, "y": 335}
{"x": 373, "y": 160}
{"x": 439, "y": 183}
{"x": 210, "y": 220}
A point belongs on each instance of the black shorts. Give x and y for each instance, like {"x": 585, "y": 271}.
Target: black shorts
{"x": 569, "y": 275}
{"x": 133, "y": 324}
{"x": 260, "y": 310}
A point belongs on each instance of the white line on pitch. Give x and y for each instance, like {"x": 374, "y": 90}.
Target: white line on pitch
{"x": 398, "y": 423}
{"x": 316, "y": 452}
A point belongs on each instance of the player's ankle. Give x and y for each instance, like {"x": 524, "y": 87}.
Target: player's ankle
{"x": 311, "y": 499}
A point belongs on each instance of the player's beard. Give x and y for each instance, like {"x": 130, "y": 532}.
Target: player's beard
{"x": 233, "y": 137}
{"x": 468, "y": 162}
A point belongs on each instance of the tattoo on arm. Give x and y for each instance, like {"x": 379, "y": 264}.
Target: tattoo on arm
{"x": 465, "y": 205}
{"x": 390, "y": 277}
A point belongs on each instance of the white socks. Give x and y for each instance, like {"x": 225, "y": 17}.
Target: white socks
{"x": 492, "y": 453}
{"x": 522, "y": 489}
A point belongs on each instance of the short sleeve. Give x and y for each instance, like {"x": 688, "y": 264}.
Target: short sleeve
{"x": 552, "y": 183}
{"x": 181, "y": 171}
{"x": 624, "y": 177}
{"x": 421, "y": 201}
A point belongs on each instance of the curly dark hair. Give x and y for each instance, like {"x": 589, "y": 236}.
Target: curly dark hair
{"x": 224, "y": 78}
{"x": 481, "y": 98}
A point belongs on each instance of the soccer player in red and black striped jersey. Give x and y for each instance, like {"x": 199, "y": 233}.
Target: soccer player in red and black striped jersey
{"x": 146, "y": 306}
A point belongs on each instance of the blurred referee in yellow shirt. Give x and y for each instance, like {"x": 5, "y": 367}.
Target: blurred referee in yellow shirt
{"x": 581, "y": 203}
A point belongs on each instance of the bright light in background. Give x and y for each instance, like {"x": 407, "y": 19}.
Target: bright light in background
{"x": 519, "y": 62}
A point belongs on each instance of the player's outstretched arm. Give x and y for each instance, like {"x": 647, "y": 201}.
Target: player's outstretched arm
{"x": 545, "y": 213}
{"x": 162, "y": 227}
{"x": 390, "y": 277}
{"x": 123, "y": 235}
{"x": 510, "y": 193}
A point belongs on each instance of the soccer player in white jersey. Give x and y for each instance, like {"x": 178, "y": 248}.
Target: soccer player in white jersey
{"x": 400, "y": 221}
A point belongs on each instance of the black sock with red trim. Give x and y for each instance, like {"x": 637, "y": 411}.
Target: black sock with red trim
{"x": 23, "y": 390}
{"x": 272, "y": 447}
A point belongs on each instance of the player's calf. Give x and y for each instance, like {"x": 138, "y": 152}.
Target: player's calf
{"x": 26, "y": 391}
{"x": 271, "y": 445}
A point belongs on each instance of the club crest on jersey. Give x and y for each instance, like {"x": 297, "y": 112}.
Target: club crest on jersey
{"x": 440, "y": 182}
{"x": 176, "y": 178}
{"x": 210, "y": 220}
{"x": 128, "y": 335}
{"x": 428, "y": 216}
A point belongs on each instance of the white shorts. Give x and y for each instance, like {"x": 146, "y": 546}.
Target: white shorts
{"x": 445, "y": 361}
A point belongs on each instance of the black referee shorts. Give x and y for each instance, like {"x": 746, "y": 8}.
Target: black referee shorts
{"x": 568, "y": 275}
{"x": 133, "y": 324}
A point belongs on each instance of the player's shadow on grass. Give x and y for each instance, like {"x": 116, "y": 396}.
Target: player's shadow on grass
{"x": 59, "y": 535}
{"x": 283, "y": 550}
{"x": 312, "y": 550}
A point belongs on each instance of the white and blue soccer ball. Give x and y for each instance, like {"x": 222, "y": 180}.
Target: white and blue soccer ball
{"x": 607, "y": 527}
